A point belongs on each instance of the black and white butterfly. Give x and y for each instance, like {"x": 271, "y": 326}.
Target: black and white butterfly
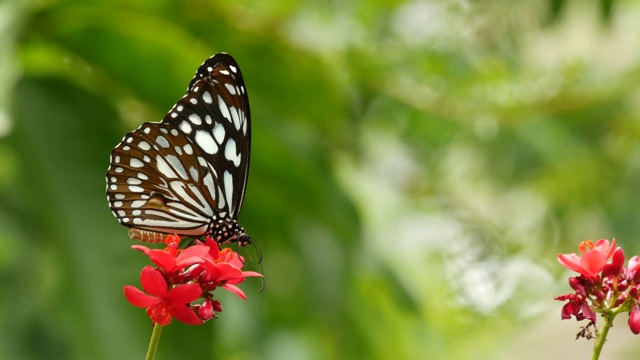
{"x": 187, "y": 174}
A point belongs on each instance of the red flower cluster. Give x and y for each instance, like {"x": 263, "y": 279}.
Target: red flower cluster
{"x": 181, "y": 277}
{"x": 603, "y": 286}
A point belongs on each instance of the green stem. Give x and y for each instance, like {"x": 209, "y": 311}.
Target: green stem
{"x": 601, "y": 336}
{"x": 153, "y": 343}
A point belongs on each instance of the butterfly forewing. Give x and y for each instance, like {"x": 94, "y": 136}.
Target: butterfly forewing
{"x": 224, "y": 132}
{"x": 188, "y": 173}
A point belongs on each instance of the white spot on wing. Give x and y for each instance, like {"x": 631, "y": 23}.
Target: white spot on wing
{"x": 164, "y": 168}
{"x": 210, "y": 185}
{"x": 244, "y": 123}
{"x": 223, "y": 108}
{"x": 136, "y": 189}
{"x": 195, "y": 119}
{"x": 205, "y": 141}
{"x": 188, "y": 149}
{"x": 230, "y": 88}
{"x": 185, "y": 126}
{"x": 144, "y": 146}
{"x": 136, "y": 163}
{"x": 138, "y": 203}
{"x": 175, "y": 162}
{"x": 235, "y": 116}
{"x": 218, "y": 133}
{"x": 162, "y": 141}
{"x": 134, "y": 181}
{"x": 231, "y": 153}
{"x": 228, "y": 190}
{"x": 206, "y": 96}
{"x": 194, "y": 173}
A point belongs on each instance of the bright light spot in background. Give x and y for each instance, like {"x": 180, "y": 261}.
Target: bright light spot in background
{"x": 323, "y": 33}
{"x": 8, "y": 68}
{"x": 5, "y": 124}
{"x": 406, "y": 229}
{"x": 432, "y": 23}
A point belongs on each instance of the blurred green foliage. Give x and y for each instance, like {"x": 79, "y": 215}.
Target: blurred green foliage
{"x": 416, "y": 165}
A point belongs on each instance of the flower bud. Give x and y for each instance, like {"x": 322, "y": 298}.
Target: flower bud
{"x": 634, "y": 319}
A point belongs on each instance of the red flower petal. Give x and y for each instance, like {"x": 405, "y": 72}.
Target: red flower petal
{"x": 183, "y": 294}
{"x": 236, "y": 290}
{"x": 141, "y": 248}
{"x": 593, "y": 262}
{"x": 191, "y": 255}
{"x": 185, "y": 314}
{"x": 251, "y": 274}
{"x": 163, "y": 259}
{"x": 138, "y": 298}
{"x": 571, "y": 262}
{"x": 153, "y": 282}
{"x": 605, "y": 248}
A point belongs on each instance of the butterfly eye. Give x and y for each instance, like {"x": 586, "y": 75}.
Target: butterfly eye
{"x": 188, "y": 173}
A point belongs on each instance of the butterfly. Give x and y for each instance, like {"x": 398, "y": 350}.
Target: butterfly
{"x": 188, "y": 173}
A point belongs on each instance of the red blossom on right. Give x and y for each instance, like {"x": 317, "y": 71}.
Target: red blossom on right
{"x": 604, "y": 285}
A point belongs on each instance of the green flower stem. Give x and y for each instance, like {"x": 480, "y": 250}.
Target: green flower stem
{"x": 601, "y": 336}
{"x": 153, "y": 343}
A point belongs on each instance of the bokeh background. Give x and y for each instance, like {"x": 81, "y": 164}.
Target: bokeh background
{"x": 416, "y": 167}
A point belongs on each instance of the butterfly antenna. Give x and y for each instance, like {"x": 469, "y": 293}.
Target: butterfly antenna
{"x": 258, "y": 249}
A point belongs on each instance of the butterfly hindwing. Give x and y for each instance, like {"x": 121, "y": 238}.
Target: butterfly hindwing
{"x": 157, "y": 182}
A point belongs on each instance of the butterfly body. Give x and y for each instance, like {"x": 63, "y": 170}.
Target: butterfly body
{"x": 187, "y": 174}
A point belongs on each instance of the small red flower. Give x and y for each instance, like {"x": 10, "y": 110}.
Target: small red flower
{"x": 223, "y": 269}
{"x": 183, "y": 276}
{"x": 162, "y": 303}
{"x": 593, "y": 260}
